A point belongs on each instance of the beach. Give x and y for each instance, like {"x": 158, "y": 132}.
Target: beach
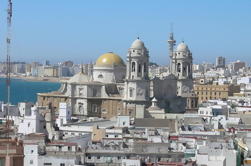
{"x": 37, "y": 79}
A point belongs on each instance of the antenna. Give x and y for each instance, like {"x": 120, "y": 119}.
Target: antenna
{"x": 8, "y": 65}
{"x": 171, "y": 27}
{"x": 82, "y": 68}
{"x": 171, "y": 43}
{"x": 8, "y": 41}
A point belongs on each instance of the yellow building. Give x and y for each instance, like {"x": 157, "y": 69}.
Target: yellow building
{"x": 212, "y": 91}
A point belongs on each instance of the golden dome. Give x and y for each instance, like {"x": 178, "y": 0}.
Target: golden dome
{"x": 109, "y": 60}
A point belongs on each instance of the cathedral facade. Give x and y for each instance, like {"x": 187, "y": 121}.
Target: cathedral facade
{"x": 124, "y": 88}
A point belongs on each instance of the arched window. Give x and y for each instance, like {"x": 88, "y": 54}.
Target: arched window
{"x": 178, "y": 67}
{"x": 133, "y": 66}
{"x": 100, "y": 76}
{"x": 184, "y": 71}
{"x": 95, "y": 92}
{"x": 144, "y": 67}
{"x": 139, "y": 69}
{"x": 80, "y": 107}
{"x": 131, "y": 92}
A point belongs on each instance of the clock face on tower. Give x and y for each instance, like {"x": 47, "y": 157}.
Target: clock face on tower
{"x": 185, "y": 89}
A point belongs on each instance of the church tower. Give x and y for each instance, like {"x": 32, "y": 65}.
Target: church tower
{"x": 181, "y": 67}
{"x": 137, "y": 81}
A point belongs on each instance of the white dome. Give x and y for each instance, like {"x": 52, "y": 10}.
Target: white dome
{"x": 182, "y": 47}
{"x": 138, "y": 44}
{"x": 80, "y": 78}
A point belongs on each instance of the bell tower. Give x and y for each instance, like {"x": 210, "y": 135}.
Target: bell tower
{"x": 137, "y": 81}
{"x": 182, "y": 63}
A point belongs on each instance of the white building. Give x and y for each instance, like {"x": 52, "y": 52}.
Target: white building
{"x": 244, "y": 80}
{"x": 213, "y": 111}
{"x": 123, "y": 121}
{"x": 212, "y": 155}
{"x": 31, "y": 123}
{"x": 54, "y": 154}
{"x": 64, "y": 114}
{"x": 131, "y": 162}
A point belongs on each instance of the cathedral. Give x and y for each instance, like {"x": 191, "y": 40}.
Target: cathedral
{"x": 116, "y": 87}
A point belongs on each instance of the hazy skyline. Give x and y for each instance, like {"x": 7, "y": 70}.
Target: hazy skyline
{"x": 83, "y": 30}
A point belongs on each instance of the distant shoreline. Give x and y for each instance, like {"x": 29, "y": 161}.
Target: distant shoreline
{"x": 38, "y": 79}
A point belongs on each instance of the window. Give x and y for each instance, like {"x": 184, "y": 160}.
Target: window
{"x": 100, "y": 76}
{"x": 184, "y": 69}
{"x": 98, "y": 157}
{"x": 94, "y": 92}
{"x": 144, "y": 67}
{"x": 80, "y": 90}
{"x": 94, "y": 108}
{"x": 32, "y": 151}
{"x": 47, "y": 164}
{"x": 104, "y": 111}
{"x": 62, "y": 164}
{"x": 31, "y": 162}
{"x": 139, "y": 68}
{"x": 133, "y": 66}
{"x": 179, "y": 67}
{"x": 130, "y": 112}
{"x": 131, "y": 92}
{"x": 80, "y": 107}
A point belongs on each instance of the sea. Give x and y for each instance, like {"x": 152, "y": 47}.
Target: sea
{"x": 24, "y": 90}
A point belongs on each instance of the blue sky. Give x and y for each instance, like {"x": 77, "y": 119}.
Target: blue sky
{"x": 81, "y": 30}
